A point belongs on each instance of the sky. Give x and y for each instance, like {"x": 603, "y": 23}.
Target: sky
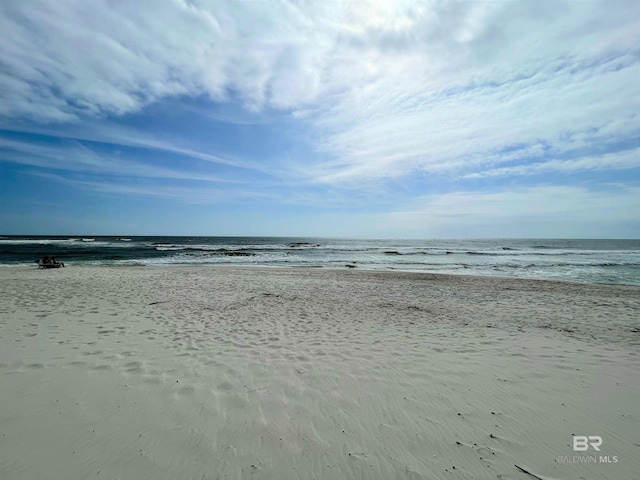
{"x": 379, "y": 119}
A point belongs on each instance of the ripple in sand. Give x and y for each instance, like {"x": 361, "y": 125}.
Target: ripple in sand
{"x": 134, "y": 367}
{"x": 95, "y": 352}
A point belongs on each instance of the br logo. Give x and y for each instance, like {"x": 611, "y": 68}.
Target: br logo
{"x": 582, "y": 443}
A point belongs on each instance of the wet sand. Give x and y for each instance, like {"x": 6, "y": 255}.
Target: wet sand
{"x": 206, "y": 373}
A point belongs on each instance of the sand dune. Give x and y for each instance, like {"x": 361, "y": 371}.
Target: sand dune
{"x": 207, "y": 373}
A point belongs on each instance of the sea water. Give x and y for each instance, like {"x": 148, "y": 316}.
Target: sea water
{"x": 588, "y": 261}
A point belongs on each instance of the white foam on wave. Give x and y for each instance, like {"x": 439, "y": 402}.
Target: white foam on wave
{"x": 229, "y": 247}
{"x": 36, "y": 241}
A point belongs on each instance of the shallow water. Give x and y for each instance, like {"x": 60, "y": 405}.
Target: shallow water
{"x": 587, "y": 261}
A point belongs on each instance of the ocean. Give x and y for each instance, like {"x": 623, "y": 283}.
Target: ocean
{"x": 586, "y": 261}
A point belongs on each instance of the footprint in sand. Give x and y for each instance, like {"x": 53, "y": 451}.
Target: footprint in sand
{"x": 133, "y": 367}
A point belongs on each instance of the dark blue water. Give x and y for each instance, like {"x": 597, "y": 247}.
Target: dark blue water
{"x": 590, "y": 261}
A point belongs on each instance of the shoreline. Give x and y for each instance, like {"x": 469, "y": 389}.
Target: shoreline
{"x": 579, "y": 260}
{"x": 192, "y": 371}
{"x": 303, "y": 268}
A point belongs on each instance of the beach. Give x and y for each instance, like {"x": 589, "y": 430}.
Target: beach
{"x": 285, "y": 373}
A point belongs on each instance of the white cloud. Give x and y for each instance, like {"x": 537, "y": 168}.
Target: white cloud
{"x": 478, "y": 124}
{"x": 389, "y": 88}
{"x": 523, "y": 76}
{"x": 70, "y": 59}
{"x": 627, "y": 159}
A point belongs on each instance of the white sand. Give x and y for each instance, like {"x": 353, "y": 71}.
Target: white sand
{"x": 282, "y": 374}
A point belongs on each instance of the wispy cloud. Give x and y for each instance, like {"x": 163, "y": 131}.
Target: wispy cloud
{"x": 186, "y": 194}
{"x": 625, "y": 160}
{"x": 117, "y": 135}
{"x": 73, "y": 156}
{"x": 338, "y": 100}
{"x": 525, "y": 212}
{"x": 67, "y": 61}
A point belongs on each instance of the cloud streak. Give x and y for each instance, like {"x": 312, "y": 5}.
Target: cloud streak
{"x": 625, "y": 160}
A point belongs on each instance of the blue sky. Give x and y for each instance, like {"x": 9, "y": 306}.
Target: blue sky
{"x": 401, "y": 119}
